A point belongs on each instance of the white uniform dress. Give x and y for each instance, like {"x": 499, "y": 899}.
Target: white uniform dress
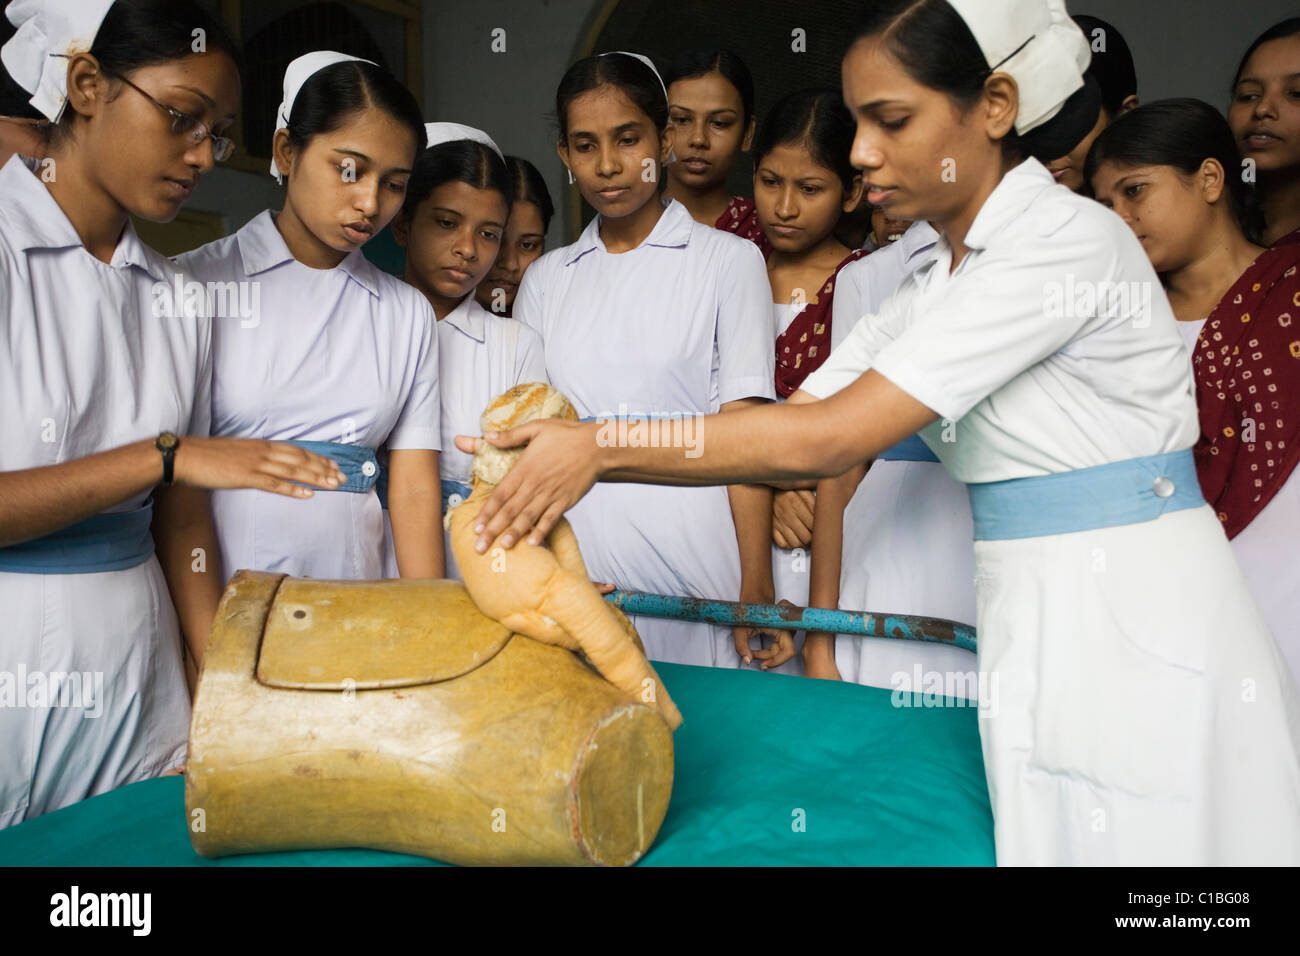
{"x": 86, "y": 365}
{"x": 1139, "y": 711}
{"x": 790, "y": 566}
{"x": 676, "y": 326}
{"x": 347, "y": 355}
{"x": 907, "y": 530}
{"x": 1268, "y": 550}
{"x": 480, "y": 355}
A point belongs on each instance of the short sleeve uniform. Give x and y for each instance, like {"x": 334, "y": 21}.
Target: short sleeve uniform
{"x": 678, "y": 326}
{"x": 907, "y": 530}
{"x": 93, "y": 356}
{"x": 480, "y": 356}
{"x": 1117, "y": 732}
{"x": 346, "y": 355}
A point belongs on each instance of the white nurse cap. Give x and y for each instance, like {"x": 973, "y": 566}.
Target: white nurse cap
{"x": 439, "y": 133}
{"x": 49, "y": 30}
{"x": 1037, "y": 44}
{"x": 646, "y": 60}
{"x": 295, "y": 75}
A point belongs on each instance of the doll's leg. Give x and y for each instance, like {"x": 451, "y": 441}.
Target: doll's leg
{"x": 564, "y": 543}
{"x": 577, "y": 606}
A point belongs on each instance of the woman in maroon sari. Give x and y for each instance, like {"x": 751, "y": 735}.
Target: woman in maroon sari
{"x": 803, "y": 184}
{"x": 1265, "y": 119}
{"x": 711, "y": 118}
{"x": 1170, "y": 169}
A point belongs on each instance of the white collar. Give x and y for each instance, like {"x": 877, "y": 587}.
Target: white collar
{"x": 261, "y": 247}
{"x": 36, "y": 221}
{"x": 673, "y": 230}
{"x": 468, "y": 317}
{"x": 919, "y": 238}
{"x": 1009, "y": 199}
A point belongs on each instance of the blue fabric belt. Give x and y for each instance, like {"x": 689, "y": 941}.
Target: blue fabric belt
{"x": 909, "y": 449}
{"x": 450, "y": 489}
{"x": 358, "y": 463}
{"x": 104, "y": 542}
{"x": 1105, "y": 496}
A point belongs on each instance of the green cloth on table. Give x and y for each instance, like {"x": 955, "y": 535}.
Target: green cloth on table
{"x": 770, "y": 770}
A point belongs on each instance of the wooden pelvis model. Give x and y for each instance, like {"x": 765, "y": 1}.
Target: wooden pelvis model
{"x": 397, "y": 715}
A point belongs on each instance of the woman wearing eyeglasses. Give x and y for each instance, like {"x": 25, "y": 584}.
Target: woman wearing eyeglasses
{"x": 342, "y": 357}
{"x": 107, "y": 551}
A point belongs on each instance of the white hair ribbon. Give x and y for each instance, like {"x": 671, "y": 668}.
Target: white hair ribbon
{"x": 646, "y": 60}
{"x": 1037, "y": 44}
{"x": 47, "y": 32}
{"x": 439, "y": 133}
{"x": 295, "y": 75}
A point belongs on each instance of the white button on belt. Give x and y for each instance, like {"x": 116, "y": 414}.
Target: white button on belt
{"x": 368, "y": 469}
{"x": 1163, "y": 487}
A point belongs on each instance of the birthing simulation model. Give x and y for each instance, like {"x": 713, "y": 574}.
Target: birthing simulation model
{"x": 510, "y": 720}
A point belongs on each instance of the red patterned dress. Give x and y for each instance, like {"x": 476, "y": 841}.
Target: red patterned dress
{"x": 1246, "y": 364}
{"x": 806, "y": 342}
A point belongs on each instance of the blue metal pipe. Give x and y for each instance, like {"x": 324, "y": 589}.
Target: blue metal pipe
{"x": 903, "y": 627}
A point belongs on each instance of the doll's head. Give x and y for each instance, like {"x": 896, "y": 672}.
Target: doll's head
{"x": 521, "y": 404}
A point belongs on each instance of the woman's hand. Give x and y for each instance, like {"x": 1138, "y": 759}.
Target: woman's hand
{"x": 557, "y": 468}
{"x": 792, "y": 518}
{"x": 782, "y": 648}
{"x": 253, "y": 463}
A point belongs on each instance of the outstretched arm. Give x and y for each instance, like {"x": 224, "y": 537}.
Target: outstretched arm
{"x": 799, "y": 439}
{"x": 37, "y": 501}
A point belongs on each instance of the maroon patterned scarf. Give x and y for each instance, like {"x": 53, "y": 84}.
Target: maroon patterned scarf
{"x": 1247, "y": 369}
{"x": 804, "y": 345}
{"x": 741, "y": 218}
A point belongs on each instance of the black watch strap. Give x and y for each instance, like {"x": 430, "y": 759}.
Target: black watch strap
{"x": 167, "y": 443}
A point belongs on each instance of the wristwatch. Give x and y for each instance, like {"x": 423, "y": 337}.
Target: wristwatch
{"x": 167, "y": 443}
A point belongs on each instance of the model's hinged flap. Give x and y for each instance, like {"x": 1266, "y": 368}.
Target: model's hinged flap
{"x": 361, "y": 635}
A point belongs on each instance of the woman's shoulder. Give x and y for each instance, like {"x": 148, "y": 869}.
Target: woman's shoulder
{"x": 398, "y": 296}
{"x": 550, "y": 260}
{"x": 723, "y": 247}
{"x": 545, "y": 270}
{"x": 10, "y": 259}
{"x": 510, "y": 327}
{"x": 213, "y": 257}
{"x": 499, "y": 327}
{"x": 1060, "y": 213}
{"x": 1060, "y": 230}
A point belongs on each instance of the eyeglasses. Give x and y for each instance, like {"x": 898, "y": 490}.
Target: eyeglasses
{"x": 191, "y": 127}
{"x": 183, "y": 124}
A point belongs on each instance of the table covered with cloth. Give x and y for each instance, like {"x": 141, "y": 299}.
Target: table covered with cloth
{"x": 770, "y": 770}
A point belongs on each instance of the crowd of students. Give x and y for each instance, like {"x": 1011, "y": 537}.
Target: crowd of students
{"x": 317, "y": 437}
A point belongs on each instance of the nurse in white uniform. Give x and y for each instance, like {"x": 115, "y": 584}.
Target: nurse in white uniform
{"x": 654, "y": 318}
{"x": 104, "y": 382}
{"x": 329, "y": 351}
{"x": 906, "y": 531}
{"x": 452, "y": 225}
{"x": 1140, "y": 712}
